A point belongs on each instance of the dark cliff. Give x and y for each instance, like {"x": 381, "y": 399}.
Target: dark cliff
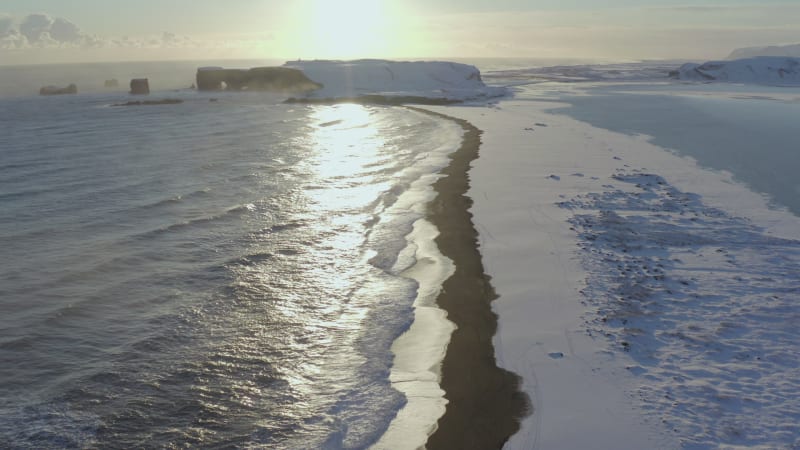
{"x": 279, "y": 79}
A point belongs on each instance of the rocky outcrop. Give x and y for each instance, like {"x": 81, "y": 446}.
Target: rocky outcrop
{"x": 112, "y": 83}
{"x": 277, "y": 79}
{"x": 166, "y": 101}
{"x": 54, "y": 90}
{"x": 140, "y": 86}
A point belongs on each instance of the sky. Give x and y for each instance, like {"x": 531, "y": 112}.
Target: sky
{"x": 54, "y": 31}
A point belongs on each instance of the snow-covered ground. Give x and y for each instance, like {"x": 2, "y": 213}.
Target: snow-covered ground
{"x": 428, "y": 79}
{"x": 647, "y": 302}
{"x": 705, "y": 303}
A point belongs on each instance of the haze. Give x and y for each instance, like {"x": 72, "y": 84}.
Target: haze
{"x": 54, "y": 31}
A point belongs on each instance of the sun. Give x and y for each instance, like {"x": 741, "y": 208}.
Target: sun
{"x": 347, "y": 29}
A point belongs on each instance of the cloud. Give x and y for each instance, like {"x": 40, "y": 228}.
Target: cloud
{"x": 166, "y": 40}
{"x": 62, "y": 30}
{"x": 6, "y": 25}
{"x": 172, "y": 40}
{"x": 34, "y": 37}
{"x": 34, "y": 27}
{"x": 10, "y": 38}
{"x": 45, "y": 32}
{"x": 42, "y": 31}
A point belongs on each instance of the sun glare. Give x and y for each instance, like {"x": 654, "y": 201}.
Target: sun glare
{"x": 347, "y": 146}
{"x": 348, "y": 29}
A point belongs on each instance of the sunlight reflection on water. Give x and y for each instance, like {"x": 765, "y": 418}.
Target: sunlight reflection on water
{"x": 325, "y": 289}
{"x": 230, "y": 282}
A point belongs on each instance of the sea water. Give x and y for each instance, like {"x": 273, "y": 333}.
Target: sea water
{"x": 219, "y": 272}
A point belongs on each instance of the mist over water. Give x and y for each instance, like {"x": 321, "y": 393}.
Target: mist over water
{"x": 207, "y": 273}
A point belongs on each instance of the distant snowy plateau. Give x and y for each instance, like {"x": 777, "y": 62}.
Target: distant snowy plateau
{"x": 772, "y": 50}
{"x": 767, "y": 70}
{"x": 762, "y": 70}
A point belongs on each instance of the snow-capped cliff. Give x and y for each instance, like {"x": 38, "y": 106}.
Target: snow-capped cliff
{"x": 424, "y": 79}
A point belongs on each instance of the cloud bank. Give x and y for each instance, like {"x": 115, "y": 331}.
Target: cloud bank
{"x": 41, "y": 31}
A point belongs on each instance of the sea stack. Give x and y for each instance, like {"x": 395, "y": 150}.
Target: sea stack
{"x": 140, "y": 86}
{"x": 112, "y": 83}
{"x": 54, "y": 90}
{"x": 275, "y": 79}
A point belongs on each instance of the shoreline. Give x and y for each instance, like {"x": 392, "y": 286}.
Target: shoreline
{"x": 418, "y": 352}
{"x": 598, "y": 362}
{"x": 485, "y": 403}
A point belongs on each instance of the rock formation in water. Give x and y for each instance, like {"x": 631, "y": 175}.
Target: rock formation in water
{"x": 166, "y": 101}
{"x": 112, "y": 83}
{"x": 278, "y": 79}
{"x": 140, "y": 86}
{"x": 54, "y": 90}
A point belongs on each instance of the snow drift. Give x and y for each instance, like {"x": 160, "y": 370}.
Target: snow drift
{"x": 771, "y": 70}
{"x": 431, "y": 80}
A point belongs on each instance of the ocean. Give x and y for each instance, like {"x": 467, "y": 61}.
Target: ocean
{"x": 222, "y": 272}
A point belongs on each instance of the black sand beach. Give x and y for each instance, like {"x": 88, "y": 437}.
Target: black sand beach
{"x": 485, "y": 404}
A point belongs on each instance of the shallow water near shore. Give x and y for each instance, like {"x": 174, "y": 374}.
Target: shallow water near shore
{"x": 747, "y": 131}
{"x": 206, "y": 273}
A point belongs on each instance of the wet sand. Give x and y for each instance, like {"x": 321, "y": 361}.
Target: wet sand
{"x": 485, "y": 404}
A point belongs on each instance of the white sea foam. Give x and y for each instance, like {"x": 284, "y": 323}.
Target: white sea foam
{"x": 419, "y": 352}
